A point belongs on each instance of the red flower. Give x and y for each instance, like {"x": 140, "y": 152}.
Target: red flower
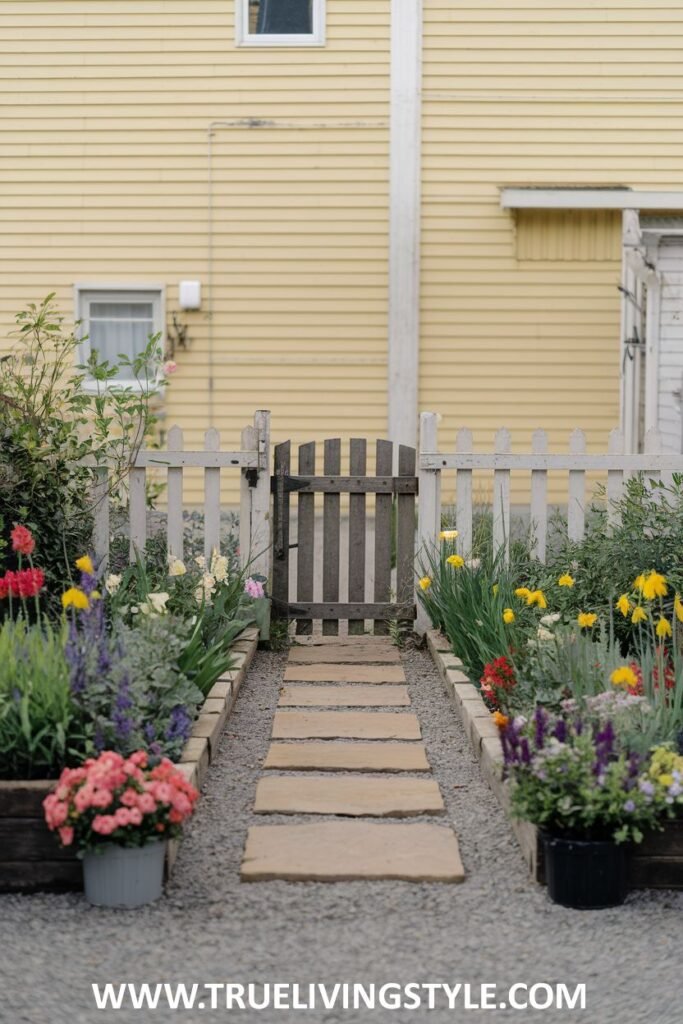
{"x": 22, "y": 540}
{"x": 25, "y": 583}
{"x": 498, "y": 675}
{"x": 4, "y": 587}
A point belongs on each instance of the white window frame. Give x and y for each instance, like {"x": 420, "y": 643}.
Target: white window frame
{"x": 84, "y": 293}
{"x": 243, "y": 37}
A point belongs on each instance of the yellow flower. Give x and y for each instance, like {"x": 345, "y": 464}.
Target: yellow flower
{"x": 654, "y": 586}
{"x": 566, "y": 580}
{"x": 666, "y": 780}
{"x": 494, "y": 589}
{"x": 522, "y": 592}
{"x": 639, "y": 615}
{"x": 508, "y": 616}
{"x": 456, "y": 561}
{"x": 95, "y": 596}
{"x": 623, "y": 676}
{"x": 663, "y": 627}
{"x": 624, "y": 605}
{"x": 75, "y": 598}
{"x": 85, "y": 565}
{"x": 586, "y": 619}
{"x": 536, "y": 597}
{"x": 678, "y": 607}
{"x": 176, "y": 567}
{"x": 448, "y": 535}
{"x": 639, "y": 582}
{"x": 425, "y": 583}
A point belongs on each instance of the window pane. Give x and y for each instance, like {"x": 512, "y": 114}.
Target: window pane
{"x": 115, "y": 337}
{"x": 281, "y": 17}
{"x": 122, "y": 310}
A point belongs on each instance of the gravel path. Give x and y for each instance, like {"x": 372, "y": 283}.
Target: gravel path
{"x": 496, "y": 927}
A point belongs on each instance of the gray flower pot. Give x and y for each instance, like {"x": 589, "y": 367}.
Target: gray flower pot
{"x": 119, "y": 876}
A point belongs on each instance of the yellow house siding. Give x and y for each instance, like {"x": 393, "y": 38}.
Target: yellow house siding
{"x": 520, "y": 321}
{"x": 106, "y": 106}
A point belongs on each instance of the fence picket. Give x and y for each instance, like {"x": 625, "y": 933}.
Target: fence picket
{"x": 405, "y": 531}
{"x": 280, "y": 588}
{"x": 357, "y": 529}
{"x": 615, "y": 477}
{"x": 174, "y": 491}
{"x": 463, "y": 496}
{"x": 305, "y": 561}
{"x": 260, "y": 540}
{"x": 137, "y": 494}
{"x": 212, "y": 498}
{"x": 248, "y": 439}
{"x": 501, "y": 499}
{"x": 429, "y": 506}
{"x": 331, "y": 525}
{"x": 383, "y": 506}
{"x": 539, "y": 497}
{"x": 576, "y": 505}
{"x": 100, "y": 507}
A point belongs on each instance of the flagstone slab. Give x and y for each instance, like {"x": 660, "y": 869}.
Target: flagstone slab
{"x": 365, "y": 639}
{"x": 355, "y": 796}
{"x": 362, "y": 654}
{"x": 336, "y": 851}
{"x": 355, "y": 757}
{"x": 361, "y": 725}
{"x": 344, "y": 696}
{"x": 345, "y": 674}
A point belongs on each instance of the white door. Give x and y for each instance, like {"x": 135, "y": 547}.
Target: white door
{"x": 665, "y": 345}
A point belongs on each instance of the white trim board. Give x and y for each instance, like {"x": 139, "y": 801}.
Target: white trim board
{"x": 588, "y": 199}
{"x": 243, "y": 37}
{"x": 404, "y": 220}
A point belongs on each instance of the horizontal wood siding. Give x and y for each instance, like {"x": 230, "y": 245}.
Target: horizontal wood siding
{"x": 105, "y": 111}
{"x": 520, "y": 318}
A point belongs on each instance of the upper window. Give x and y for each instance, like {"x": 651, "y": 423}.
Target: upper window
{"x": 118, "y": 322}
{"x": 280, "y": 22}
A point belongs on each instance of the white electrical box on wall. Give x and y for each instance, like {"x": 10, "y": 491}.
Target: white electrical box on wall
{"x": 190, "y": 294}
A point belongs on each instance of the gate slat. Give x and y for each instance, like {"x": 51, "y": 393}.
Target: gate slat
{"x": 137, "y": 497}
{"x": 305, "y": 562}
{"x": 539, "y": 497}
{"x": 212, "y": 498}
{"x": 331, "y": 522}
{"x": 281, "y": 463}
{"x": 383, "y": 508}
{"x": 405, "y": 530}
{"x": 501, "y": 500}
{"x": 463, "y": 496}
{"x": 357, "y": 502}
{"x": 174, "y": 488}
{"x": 576, "y": 506}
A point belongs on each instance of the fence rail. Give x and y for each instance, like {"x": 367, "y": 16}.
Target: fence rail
{"x": 251, "y": 460}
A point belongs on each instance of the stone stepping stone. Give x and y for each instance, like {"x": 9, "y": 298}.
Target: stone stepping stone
{"x": 356, "y": 796}
{"x": 337, "y": 851}
{"x": 344, "y": 696}
{"x": 345, "y": 674}
{"x": 358, "y": 725}
{"x": 350, "y": 757}
{"x": 365, "y": 654}
{"x": 364, "y": 639}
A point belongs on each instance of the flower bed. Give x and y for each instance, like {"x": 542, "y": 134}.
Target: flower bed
{"x": 31, "y": 860}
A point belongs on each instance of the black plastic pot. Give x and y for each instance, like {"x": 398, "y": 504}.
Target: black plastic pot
{"x": 585, "y": 874}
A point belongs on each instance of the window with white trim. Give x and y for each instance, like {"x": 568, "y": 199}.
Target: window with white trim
{"x": 118, "y": 321}
{"x": 280, "y": 22}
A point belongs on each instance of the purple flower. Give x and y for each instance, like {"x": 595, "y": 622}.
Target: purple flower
{"x": 179, "y": 724}
{"x": 629, "y": 806}
{"x": 540, "y": 722}
{"x": 560, "y": 730}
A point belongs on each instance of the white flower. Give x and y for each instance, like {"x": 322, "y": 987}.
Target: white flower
{"x": 201, "y": 561}
{"x": 205, "y": 589}
{"x": 219, "y": 567}
{"x": 112, "y": 583}
{"x": 551, "y": 619}
{"x": 158, "y": 602}
{"x": 473, "y": 563}
{"x": 176, "y": 567}
{"x": 544, "y": 635}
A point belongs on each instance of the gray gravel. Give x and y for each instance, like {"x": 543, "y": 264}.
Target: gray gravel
{"x": 497, "y": 927}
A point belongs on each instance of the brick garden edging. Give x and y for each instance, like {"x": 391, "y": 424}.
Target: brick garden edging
{"x": 30, "y": 857}
{"x": 657, "y": 863}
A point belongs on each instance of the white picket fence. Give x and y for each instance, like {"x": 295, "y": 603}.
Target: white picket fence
{"x": 252, "y": 461}
{"x": 615, "y": 465}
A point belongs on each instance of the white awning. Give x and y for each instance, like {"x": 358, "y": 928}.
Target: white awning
{"x": 588, "y": 199}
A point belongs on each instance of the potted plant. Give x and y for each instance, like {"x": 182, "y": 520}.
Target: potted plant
{"x": 588, "y": 798}
{"x": 120, "y": 812}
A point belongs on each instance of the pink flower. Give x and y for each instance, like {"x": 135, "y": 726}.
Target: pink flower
{"x": 83, "y": 798}
{"x": 101, "y": 798}
{"x": 164, "y": 792}
{"x": 66, "y": 834}
{"x": 254, "y": 588}
{"x": 22, "y": 540}
{"x": 147, "y": 803}
{"x": 169, "y": 367}
{"x": 104, "y": 824}
{"x": 129, "y": 798}
{"x": 139, "y": 758}
{"x": 134, "y": 816}
{"x": 122, "y": 817}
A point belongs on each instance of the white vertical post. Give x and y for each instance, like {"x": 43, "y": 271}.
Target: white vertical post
{"x": 653, "y": 446}
{"x": 137, "y": 494}
{"x": 615, "y": 477}
{"x": 576, "y": 510}
{"x": 539, "y": 497}
{"x": 174, "y": 490}
{"x": 100, "y": 499}
{"x": 463, "y": 495}
{"x": 212, "y": 498}
{"x": 255, "y": 539}
{"x": 429, "y": 504}
{"x": 501, "y": 499}
{"x": 248, "y": 443}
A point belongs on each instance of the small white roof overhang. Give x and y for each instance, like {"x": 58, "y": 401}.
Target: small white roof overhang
{"x": 588, "y": 199}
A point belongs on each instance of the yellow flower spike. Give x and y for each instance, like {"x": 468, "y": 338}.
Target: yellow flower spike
{"x": 522, "y": 592}
{"x": 639, "y": 582}
{"x": 639, "y": 615}
{"x": 663, "y": 628}
{"x": 655, "y": 586}
{"x": 457, "y": 561}
{"x": 624, "y": 676}
{"x": 536, "y": 597}
{"x": 586, "y": 620}
{"x": 508, "y": 616}
{"x": 565, "y": 580}
{"x": 85, "y": 565}
{"x": 75, "y": 598}
{"x": 425, "y": 583}
{"x": 624, "y": 605}
{"x": 678, "y": 607}
{"x": 448, "y": 535}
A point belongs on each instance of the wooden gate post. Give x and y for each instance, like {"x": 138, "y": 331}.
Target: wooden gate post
{"x": 255, "y": 539}
{"x": 429, "y": 504}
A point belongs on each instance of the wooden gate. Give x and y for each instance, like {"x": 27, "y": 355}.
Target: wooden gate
{"x": 394, "y": 536}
